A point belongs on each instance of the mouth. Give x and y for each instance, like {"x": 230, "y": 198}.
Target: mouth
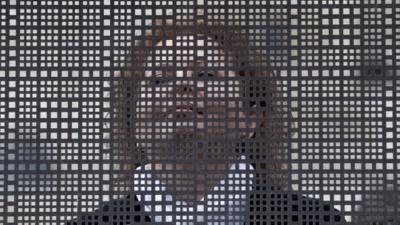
{"x": 182, "y": 108}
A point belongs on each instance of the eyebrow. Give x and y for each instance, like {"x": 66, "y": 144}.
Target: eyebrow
{"x": 199, "y": 62}
{"x": 164, "y": 64}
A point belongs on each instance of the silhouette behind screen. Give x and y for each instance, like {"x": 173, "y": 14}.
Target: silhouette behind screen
{"x": 201, "y": 133}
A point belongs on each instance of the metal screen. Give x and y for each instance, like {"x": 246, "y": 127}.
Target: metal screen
{"x": 199, "y": 112}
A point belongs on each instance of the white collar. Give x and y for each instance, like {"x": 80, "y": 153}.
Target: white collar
{"x": 237, "y": 170}
{"x": 230, "y": 197}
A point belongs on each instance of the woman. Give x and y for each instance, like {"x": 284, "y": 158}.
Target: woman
{"x": 199, "y": 110}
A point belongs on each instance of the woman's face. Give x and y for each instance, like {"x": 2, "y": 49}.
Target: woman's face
{"x": 189, "y": 106}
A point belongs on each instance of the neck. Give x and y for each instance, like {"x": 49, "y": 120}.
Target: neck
{"x": 191, "y": 181}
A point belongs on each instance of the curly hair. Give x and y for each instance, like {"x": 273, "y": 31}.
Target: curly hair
{"x": 266, "y": 150}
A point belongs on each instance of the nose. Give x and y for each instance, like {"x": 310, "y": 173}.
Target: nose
{"x": 184, "y": 87}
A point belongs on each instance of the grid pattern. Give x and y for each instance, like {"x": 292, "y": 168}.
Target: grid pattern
{"x": 199, "y": 112}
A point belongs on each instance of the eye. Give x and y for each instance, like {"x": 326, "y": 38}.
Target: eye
{"x": 202, "y": 73}
{"x": 156, "y": 82}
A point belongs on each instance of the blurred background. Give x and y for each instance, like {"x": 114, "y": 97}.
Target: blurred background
{"x": 338, "y": 63}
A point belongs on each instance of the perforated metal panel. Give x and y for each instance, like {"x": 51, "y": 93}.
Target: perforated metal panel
{"x": 199, "y": 112}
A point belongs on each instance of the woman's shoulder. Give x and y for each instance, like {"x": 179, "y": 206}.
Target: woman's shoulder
{"x": 324, "y": 209}
{"x": 274, "y": 205}
{"x": 124, "y": 210}
{"x": 297, "y": 207}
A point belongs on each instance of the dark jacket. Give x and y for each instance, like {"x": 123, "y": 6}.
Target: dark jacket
{"x": 272, "y": 208}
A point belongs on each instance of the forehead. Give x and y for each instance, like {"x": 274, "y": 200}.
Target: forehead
{"x": 189, "y": 40}
{"x": 183, "y": 50}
